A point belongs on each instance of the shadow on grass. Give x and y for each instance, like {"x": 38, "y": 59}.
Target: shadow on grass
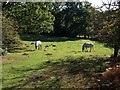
{"x": 31, "y": 37}
{"x": 69, "y": 72}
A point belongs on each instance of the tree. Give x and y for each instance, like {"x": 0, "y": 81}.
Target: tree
{"x": 110, "y": 32}
{"x": 58, "y": 14}
{"x": 93, "y": 20}
{"x": 32, "y": 17}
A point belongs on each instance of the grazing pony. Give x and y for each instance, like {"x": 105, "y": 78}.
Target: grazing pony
{"x": 38, "y": 45}
{"x": 87, "y": 45}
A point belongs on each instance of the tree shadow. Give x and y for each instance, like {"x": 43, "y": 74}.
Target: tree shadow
{"x": 32, "y": 37}
{"x": 69, "y": 71}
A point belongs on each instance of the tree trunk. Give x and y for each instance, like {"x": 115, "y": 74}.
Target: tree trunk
{"x": 84, "y": 36}
{"x": 116, "y": 49}
{"x": 88, "y": 36}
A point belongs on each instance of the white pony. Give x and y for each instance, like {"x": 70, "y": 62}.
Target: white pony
{"x": 38, "y": 45}
{"x": 87, "y": 45}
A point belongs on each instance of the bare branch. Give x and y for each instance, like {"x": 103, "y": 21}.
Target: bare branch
{"x": 109, "y": 5}
{"x": 104, "y": 4}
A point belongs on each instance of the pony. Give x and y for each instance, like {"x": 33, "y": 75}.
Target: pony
{"x": 87, "y": 45}
{"x": 38, "y": 45}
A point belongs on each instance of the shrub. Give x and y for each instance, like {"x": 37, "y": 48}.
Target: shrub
{"x": 10, "y": 37}
{"x": 111, "y": 77}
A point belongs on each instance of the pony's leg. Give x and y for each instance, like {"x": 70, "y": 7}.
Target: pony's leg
{"x": 82, "y": 48}
{"x": 37, "y": 47}
{"x": 90, "y": 49}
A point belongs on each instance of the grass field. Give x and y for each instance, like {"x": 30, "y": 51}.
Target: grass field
{"x": 60, "y": 63}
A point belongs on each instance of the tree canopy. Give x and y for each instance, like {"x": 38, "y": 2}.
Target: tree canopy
{"x": 32, "y": 17}
{"x": 71, "y": 19}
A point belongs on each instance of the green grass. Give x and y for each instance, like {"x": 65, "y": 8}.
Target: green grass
{"x": 20, "y": 66}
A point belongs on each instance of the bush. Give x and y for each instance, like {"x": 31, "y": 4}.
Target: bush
{"x": 10, "y": 37}
{"x": 111, "y": 77}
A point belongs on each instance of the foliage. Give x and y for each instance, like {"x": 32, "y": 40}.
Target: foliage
{"x": 71, "y": 19}
{"x": 10, "y": 36}
{"x": 31, "y": 17}
{"x": 94, "y": 21}
{"x": 110, "y": 29}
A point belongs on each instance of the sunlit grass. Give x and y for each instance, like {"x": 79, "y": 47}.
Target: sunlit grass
{"x": 20, "y": 64}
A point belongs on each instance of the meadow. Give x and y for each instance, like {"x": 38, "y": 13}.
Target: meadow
{"x": 60, "y": 64}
